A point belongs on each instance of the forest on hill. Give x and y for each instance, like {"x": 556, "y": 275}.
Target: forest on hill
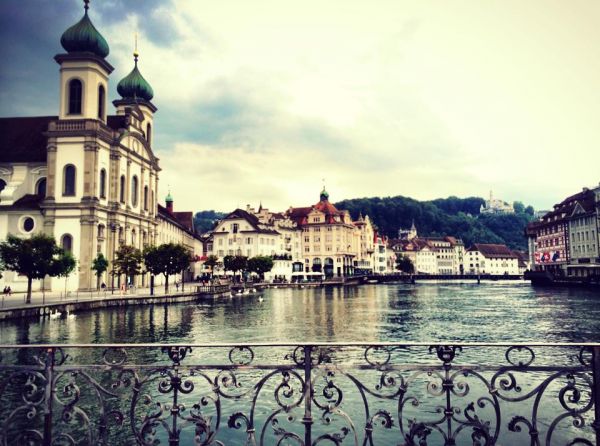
{"x": 458, "y": 217}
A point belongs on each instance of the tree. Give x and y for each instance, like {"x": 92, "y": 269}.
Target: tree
{"x": 212, "y": 262}
{"x": 35, "y": 258}
{"x": 404, "y": 264}
{"x": 235, "y": 264}
{"x": 128, "y": 261}
{"x": 167, "y": 259}
{"x": 519, "y": 207}
{"x": 260, "y": 265}
{"x": 99, "y": 265}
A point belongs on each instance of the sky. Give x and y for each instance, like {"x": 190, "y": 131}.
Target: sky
{"x": 265, "y": 101}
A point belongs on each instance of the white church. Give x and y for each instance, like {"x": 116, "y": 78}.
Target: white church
{"x": 87, "y": 178}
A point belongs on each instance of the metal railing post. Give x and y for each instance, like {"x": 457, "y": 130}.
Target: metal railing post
{"x": 307, "y": 420}
{"x": 48, "y": 395}
{"x": 596, "y": 391}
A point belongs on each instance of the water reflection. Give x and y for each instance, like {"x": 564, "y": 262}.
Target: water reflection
{"x": 423, "y": 312}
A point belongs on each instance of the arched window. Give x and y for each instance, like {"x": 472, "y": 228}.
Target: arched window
{"x": 2, "y": 184}
{"x": 133, "y": 237}
{"x": 149, "y": 133}
{"x": 134, "y": 191}
{"x": 40, "y": 188}
{"x": 101, "y": 101}
{"x": 66, "y": 243}
{"x": 145, "y": 198}
{"x": 75, "y": 95}
{"x": 122, "y": 190}
{"x": 101, "y": 231}
{"x": 102, "y": 183}
{"x": 69, "y": 180}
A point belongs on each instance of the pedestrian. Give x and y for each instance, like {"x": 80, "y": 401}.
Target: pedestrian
{"x": 103, "y": 286}
{"x": 177, "y": 285}
{"x": 8, "y": 291}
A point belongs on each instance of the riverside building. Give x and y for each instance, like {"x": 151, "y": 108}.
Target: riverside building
{"x": 84, "y": 176}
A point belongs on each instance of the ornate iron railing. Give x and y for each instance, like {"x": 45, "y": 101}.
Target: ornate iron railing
{"x": 300, "y": 394}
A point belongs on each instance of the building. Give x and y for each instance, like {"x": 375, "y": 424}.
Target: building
{"x": 330, "y": 238}
{"x": 496, "y": 206}
{"x": 88, "y": 178}
{"x": 492, "y": 259}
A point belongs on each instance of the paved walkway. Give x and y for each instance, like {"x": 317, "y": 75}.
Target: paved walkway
{"x": 17, "y": 300}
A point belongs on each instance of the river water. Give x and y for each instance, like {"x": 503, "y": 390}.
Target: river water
{"x": 493, "y": 312}
{"x": 433, "y": 313}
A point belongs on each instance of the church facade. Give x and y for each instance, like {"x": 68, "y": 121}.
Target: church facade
{"x": 87, "y": 178}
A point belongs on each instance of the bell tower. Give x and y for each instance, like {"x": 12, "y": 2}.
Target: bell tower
{"x": 83, "y": 71}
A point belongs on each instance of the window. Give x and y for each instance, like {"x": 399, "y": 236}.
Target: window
{"x": 122, "y": 190}
{"x": 101, "y": 101}
{"x": 100, "y": 231}
{"x": 75, "y": 94}
{"x": 134, "y": 190}
{"x": 66, "y": 243}
{"x": 28, "y": 224}
{"x": 69, "y": 180}
{"x": 2, "y": 184}
{"x": 145, "y": 198}
{"x": 149, "y": 133}
{"x": 102, "y": 183}
{"x": 234, "y": 228}
{"x": 40, "y": 189}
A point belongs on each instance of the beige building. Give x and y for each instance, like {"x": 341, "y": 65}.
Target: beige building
{"x": 87, "y": 178}
{"x": 492, "y": 259}
{"x": 330, "y": 240}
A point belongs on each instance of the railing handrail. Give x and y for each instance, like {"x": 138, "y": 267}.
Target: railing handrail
{"x": 310, "y": 344}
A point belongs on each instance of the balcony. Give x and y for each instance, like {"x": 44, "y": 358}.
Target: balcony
{"x": 305, "y": 394}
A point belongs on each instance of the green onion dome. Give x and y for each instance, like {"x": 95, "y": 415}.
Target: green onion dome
{"x": 169, "y": 198}
{"x": 84, "y": 37}
{"x": 134, "y": 86}
{"x": 324, "y": 195}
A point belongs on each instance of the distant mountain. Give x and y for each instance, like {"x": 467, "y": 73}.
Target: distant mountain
{"x": 458, "y": 217}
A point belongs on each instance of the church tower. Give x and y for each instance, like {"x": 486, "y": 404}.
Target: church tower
{"x": 78, "y": 149}
{"x": 84, "y": 71}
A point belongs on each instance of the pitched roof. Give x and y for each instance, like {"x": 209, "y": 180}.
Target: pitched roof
{"x": 250, "y": 218}
{"x": 493, "y": 250}
{"x": 164, "y": 213}
{"x": 185, "y": 218}
{"x": 29, "y": 201}
{"x": 116, "y": 122}
{"x": 22, "y": 140}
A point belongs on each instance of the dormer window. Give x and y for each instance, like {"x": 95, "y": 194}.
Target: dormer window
{"x": 75, "y": 96}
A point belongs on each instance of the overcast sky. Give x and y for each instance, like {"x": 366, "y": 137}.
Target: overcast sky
{"x": 260, "y": 100}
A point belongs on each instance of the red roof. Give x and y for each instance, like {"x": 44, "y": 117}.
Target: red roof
{"x": 493, "y": 251}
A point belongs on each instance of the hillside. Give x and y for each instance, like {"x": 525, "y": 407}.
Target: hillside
{"x": 454, "y": 216}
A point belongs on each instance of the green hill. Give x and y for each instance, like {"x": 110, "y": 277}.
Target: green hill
{"x": 454, "y": 216}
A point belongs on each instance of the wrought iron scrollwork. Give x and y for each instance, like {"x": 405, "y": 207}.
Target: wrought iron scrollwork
{"x": 308, "y": 395}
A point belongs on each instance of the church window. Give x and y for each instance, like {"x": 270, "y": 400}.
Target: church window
{"x": 75, "y": 96}
{"x": 69, "y": 180}
{"x": 101, "y": 101}
{"x": 145, "y": 198}
{"x": 122, "y": 190}
{"x": 40, "y": 189}
{"x": 28, "y": 224}
{"x": 149, "y": 133}
{"x": 66, "y": 243}
{"x": 134, "y": 191}
{"x": 102, "y": 183}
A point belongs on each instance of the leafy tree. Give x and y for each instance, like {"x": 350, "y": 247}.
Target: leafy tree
{"x": 404, "y": 264}
{"x": 519, "y": 207}
{"x": 167, "y": 259}
{"x": 530, "y": 211}
{"x": 35, "y": 258}
{"x": 260, "y": 265}
{"x": 235, "y": 264}
{"x": 128, "y": 261}
{"x": 212, "y": 262}
{"x": 205, "y": 220}
{"x": 99, "y": 265}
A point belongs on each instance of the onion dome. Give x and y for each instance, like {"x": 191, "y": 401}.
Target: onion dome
{"x": 324, "y": 195}
{"x": 84, "y": 37}
{"x": 134, "y": 86}
{"x": 169, "y": 198}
